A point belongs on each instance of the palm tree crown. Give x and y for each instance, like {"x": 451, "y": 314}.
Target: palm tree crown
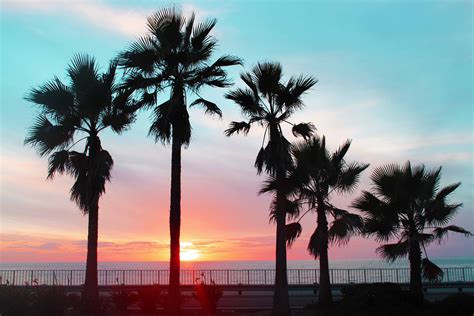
{"x": 317, "y": 174}
{"x": 268, "y": 102}
{"x": 175, "y": 55}
{"x": 407, "y": 205}
{"x": 85, "y": 107}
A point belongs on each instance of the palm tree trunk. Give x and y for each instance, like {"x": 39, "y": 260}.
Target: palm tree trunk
{"x": 414, "y": 257}
{"x": 281, "y": 303}
{"x": 175, "y": 225}
{"x": 90, "y": 295}
{"x": 325, "y": 295}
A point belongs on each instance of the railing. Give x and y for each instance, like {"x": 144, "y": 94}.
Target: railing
{"x": 223, "y": 277}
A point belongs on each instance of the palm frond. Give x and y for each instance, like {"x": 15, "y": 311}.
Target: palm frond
{"x": 237, "y": 127}
{"x": 430, "y": 271}
{"x": 83, "y": 73}
{"x": 268, "y": 76}
{"x": 160, "y": 128}
{"x": 209, "y": 107}
{"x": 316, "y": 243}
{"x": 227, "y": 60}
{"x": 141, "y": 55}
{"x": 391, "y": 252}
{"x": 290, "y": 96}
{"x": 344, "y": 227}
{"x": 247, "y": 101}
{"x": 56, "y": 98}
{"x": 304, "y": 130}
{"x": 441, "y": 232}
{"x": 292, "y": 232}
{"x": 58, "y": 163}
{"x": 46, "y": 137}
{"x": 349, "y": 176}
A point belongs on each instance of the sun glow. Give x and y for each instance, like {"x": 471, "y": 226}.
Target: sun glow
{"x": 187, "y": 252}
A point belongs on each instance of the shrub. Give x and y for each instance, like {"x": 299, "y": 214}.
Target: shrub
{"x": 15, "y": 301}
{"x": 460, "y": 304}
{"x": 149, "y": 297}
{"x": 123, "y": 298}
{"x": 208, "y": 295}
{"x": 376, "y": 299}
{"x": 50, "y": 300}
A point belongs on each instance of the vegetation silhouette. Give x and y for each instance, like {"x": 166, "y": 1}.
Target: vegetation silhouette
{"x": 403, "y": 204}
{"x": 268, "y": 102}
{"x": 68, "y": 115}
{"x": 176, "y": 55}
{"x": 317, "y": 174}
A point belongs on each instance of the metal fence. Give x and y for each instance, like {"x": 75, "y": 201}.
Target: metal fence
{"x": 223, "y": 277}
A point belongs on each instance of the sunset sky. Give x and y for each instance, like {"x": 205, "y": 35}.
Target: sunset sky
{"x": 396, "y": 77}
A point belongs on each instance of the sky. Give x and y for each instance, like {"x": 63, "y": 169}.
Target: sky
{"x": 395, "y": 77}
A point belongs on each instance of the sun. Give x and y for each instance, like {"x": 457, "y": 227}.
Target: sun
{"x": 187, "y": 252}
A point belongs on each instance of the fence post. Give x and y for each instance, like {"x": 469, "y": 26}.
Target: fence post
{"x": 447, "y": 274}
{"x": 464, "y": 274}
{"x": 14, "y": 272}
{"x": 348, "y": 276}
{"x": 397, "y": 275}
{"x": 248, "y": 276}
{"x": 228, "y": 280}
{"x": 299, "y": 277}
{"x": 365, "y": 275}
{"x": 31, "y": 278}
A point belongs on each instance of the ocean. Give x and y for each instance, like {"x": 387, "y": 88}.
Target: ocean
{"x": 234, "y": 265}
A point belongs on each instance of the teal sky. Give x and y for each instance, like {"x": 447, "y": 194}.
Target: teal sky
{"x": 396, "y": 77}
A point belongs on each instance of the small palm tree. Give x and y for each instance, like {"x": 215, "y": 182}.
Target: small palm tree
{"x": 176, "y": 55}
{"x": 268, "y": 102}
{"x": 317, "y": 174}
{"x": 68, "y": 115}
{"x": 405, "y": 204}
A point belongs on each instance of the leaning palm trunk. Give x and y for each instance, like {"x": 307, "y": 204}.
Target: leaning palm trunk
{"x": 414, "y": 257}
{"x": 175, "y": 224}
{"x": 325, "y": 295}
{"x": 281, "y": 304}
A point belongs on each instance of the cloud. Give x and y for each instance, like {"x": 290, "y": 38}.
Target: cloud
{"x": 126, "y": 21}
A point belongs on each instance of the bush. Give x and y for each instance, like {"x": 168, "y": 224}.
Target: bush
{"x": 460, "y": 304}
{"x": 149, "y": 297}
{"x": 376, "y": 299}
{"x": 50, "y": 300}
{"x": 123, "y": 298}
{"x": 15, "y": 301}
{"x": 208, "y": 296}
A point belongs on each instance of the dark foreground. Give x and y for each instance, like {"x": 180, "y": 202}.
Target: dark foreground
{"x": 363, "y": 299}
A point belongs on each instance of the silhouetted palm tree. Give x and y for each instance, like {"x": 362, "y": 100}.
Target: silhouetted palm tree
{"x": 68, "y": 115}
{"x": 316, "y": 175}
{"x": 175, "y": 55}
{"x": 404, "y": 203}
{"x": 268, "y": 102}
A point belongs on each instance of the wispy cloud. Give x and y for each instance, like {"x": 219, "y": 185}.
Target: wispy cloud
{"x": 126, "y": 21}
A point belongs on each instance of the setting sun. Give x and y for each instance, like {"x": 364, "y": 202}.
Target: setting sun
{"x": 188, "y": 253}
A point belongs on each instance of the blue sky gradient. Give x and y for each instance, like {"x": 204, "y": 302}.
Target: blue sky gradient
{"x": 396, "y": 77}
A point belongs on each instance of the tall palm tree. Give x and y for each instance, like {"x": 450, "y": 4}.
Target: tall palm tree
{"x": 176, "y": 55}
{"x": 405, "y": 204}
{"x": 317, "y": 174}
{"x": 69, "y": 114}
{"x": 268, "y": 102}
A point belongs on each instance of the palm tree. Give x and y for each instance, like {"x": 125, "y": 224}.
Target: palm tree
{"x": 268, "y": 102}
{"x": 317, "y": 174}
{"x": 405, "y": 204}
{"x": 68, "y": 115}
{"x": 176, "y": 55}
